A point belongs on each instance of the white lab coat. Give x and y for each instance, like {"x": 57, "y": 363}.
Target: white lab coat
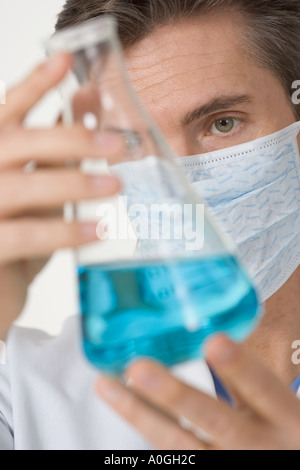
{"x": 47, "y": 399}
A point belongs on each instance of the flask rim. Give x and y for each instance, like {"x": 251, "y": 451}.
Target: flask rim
{"x": 83, "y": 35}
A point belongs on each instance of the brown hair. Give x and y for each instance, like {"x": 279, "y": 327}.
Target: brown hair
{"x": 272, "y": 29}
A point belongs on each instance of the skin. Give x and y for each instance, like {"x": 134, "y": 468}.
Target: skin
{"x": 266, "y": 418}
{"x": 31, "y": 228}
{"x": 173, "y": 83}
{"x": 176, "y": 70}
{"x": 31, "y": 223}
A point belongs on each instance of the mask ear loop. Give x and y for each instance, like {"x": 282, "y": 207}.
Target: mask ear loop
{"x": 263, "y": 143}
{"x": 295, "y": 262}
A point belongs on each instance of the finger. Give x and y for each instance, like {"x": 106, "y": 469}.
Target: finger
{"x": 21, "y": 192}
{"x": 38, "y": 213}
{"x": 56, "y": 146}
{"x": 36, "y": 238}
{"x": 24, "y": 96}
{"x": 258, "y": 387}
{"x": 227, "y": 428}
{"x": 45, "y": 213}
{"x": 31, "y": 268}
{"x": 161, "y": 431}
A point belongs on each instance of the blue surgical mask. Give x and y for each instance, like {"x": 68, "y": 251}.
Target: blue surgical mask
{"x": 254, "y": 192}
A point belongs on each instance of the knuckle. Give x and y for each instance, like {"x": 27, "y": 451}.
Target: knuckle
{"x": 73, "y": 182}
{"x": 16, "y": 237}
{"x": 233, "y": 431}
{"x": 8, "y": 142}
{"x": 82, "y": 135}
{"x": 176, "y": 395}
{"x": 70, "y": 187}
{"x": 176, "y": 440}
{"x": 23, "y": 235}
{"x": 37, "y": 82}
{"x": 218, "y": 424}
{"x": 128, "y": 407}
{"x": 262, "y": 389}
{"x": 79, "y": 132}
{"x": 9, "y": 188}
{"x": 249, "y": 434}
{"x": 76, "y": 140}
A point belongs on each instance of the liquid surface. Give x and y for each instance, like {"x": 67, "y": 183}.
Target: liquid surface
{"x": 162, "y": 310}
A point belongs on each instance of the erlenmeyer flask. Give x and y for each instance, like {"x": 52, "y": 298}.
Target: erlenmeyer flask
{"x": 184, "y": 282}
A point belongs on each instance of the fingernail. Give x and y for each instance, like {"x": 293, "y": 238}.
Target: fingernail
{"x": 222, "y": 351}
{"x": 109, "y": 390}
{"x": 89, "y": 231}
{"x": 105, "y": 183}
{"x": 145, "y": 376}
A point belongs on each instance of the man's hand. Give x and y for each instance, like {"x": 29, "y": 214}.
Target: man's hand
{"x": 267, "y": 418}
{"x": 31, "y": 223}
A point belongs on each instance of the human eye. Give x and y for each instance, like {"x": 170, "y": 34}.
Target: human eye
{"x": 224, "y": 126}
{"x": 225, "y": 129}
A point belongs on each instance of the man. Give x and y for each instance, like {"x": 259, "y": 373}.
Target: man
{"x": 214, "y": 74}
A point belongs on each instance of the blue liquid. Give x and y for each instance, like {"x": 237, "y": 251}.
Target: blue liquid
{"x": 163, "y": 310}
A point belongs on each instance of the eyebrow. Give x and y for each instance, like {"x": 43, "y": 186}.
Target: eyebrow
{"x": 217, "y": 104}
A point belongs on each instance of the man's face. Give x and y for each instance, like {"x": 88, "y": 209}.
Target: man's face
{"x": 203, "y": 90}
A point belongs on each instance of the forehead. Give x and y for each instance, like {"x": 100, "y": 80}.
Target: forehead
{"x": 201, "y": 57}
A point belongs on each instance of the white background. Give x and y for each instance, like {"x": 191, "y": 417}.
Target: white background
{"x": 25, "y": 25}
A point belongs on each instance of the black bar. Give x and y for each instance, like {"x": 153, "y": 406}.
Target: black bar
{"x": 137, "y": 459}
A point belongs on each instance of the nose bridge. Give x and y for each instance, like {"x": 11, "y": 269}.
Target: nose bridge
{"x": 180, "y": 144}
{"x": 179, "y": 138}
{"x": 183, "y": 144}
